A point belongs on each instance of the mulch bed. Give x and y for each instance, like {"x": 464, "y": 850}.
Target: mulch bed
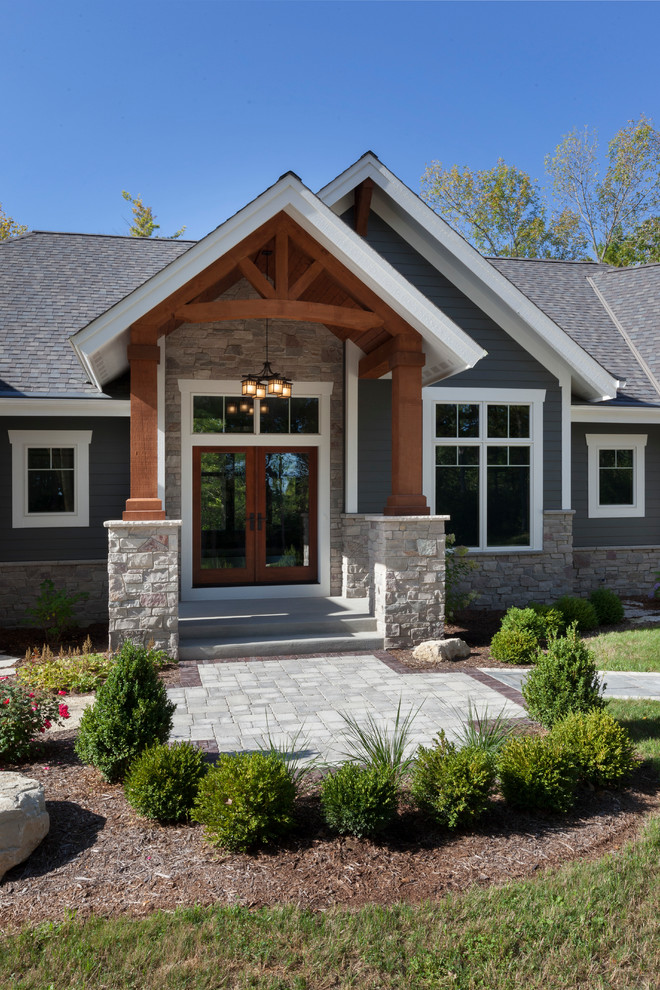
{"x": 101, "y": 858}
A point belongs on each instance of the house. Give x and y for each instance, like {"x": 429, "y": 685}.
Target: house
{"x": 414, "y": 380}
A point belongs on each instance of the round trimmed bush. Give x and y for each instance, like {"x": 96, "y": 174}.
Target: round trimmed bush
{"x": 359, "y": 800}
{"x": 600, "y": 746}
{"x": 525, "y": 619}
{"x": 162, "y": 782}
{"x": 245, "y": 800}
{"x": 514, "y": 646}
{"x": 131, "y": 712}
{"x": 453, "y": 785}
{"x": 608, "y": 606}
{"x": 564, "y": 680}
{"x": 537, "y": 773}
{"x": 577, "y": 610}
{"x": 552, "y": 618}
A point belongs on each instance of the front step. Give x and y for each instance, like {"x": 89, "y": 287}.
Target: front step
{"x": 275, "y": 627}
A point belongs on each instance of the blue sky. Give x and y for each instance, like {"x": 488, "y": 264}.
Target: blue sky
{"x": 200, "y": 105}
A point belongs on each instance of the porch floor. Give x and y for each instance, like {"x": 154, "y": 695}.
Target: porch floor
{"x": 262, "y": 627}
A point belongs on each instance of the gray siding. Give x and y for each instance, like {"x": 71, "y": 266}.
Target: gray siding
{"x": 616, "y": 532}
{"x": 374, "y": 444}
{"x": 108, "y": 490}
{"x": 507, "y": 364}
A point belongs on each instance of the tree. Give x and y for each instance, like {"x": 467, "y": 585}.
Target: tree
{"x": 618, "y": 215}
{"x": 144, "y": 222}
{"x": 501, "y": 211}
{"x": 8, "y": 227}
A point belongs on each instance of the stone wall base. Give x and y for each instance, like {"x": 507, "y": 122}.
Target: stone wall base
{"x": 626, "y": 570}
{"x": 20, "y": 586}
{"x": 143, "y": 579}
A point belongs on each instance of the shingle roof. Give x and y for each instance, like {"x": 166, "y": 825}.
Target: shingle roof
{"x": 54, "y": 284}
{"x": 566, "y": 291}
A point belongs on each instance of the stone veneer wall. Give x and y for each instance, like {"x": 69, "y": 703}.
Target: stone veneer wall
{"x": 356, "y": 572}
{"x": 407, "y": 564}
{"x": 20, "y": 586}
{"x": 143, "y": 577}
{"x": 302, "y": 351}
{"x": 626, "y": 570}
{"x": 505, "y": 579}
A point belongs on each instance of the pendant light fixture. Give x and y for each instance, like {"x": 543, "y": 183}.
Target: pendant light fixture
{"x": 267, "y": 382}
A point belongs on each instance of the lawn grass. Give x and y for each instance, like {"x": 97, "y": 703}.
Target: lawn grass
{"x": 632, "y": 649}
{"x": 589, "y": 925}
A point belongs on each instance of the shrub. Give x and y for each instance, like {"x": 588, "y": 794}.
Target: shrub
{"x": 537, "y": 773}
{"x": 600, "y": 746}
{"x": 552, "y": 617}
{"x": 359, "y": 800}
{"x": 526, "y": 619}
{"x": 453, "y": 785}
{"x": 514, "y": 646}
{"x": 53, "y": 610}
{"x": 564, "y": 680}
{"x": 577, "y": 610}
{"x": 162, "y": 782}
{"x": 131, "y": 712}
{"x": 74, "y": 670}
{"x": 245, "y": 800}
{"x": 23, "y": 714}
{"x": 458, "y": 565}
{"x": 608, "y": 606}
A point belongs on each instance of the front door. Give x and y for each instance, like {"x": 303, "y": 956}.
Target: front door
{"x": 254, "y": 515}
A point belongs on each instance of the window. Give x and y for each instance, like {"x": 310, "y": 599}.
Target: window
{"x": 50, "y": 477}
{"x": 240, "y": 414}
{"x": 484, "y": 473}
{"x": 616, "y": 474}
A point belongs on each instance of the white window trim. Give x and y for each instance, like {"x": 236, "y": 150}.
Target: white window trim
{"x": 198, "y": 386}
{"x": 616, "y": 441}
{"x": 534, "y": 398}
{"x": 21, "y": 441}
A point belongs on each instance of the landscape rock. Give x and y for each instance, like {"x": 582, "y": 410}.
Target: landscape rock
{"x": 24, "y": 821}
{"x": 440, "y": 650}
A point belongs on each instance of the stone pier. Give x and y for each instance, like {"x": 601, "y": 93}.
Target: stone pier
{"x": 143, "y": 581}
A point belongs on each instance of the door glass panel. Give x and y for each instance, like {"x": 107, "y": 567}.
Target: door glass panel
{"x": 287, "y": 510}
{"x": 223, "y": 510}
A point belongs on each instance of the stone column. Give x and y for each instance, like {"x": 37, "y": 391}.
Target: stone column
{"x": 356, "y": 573}
{"x": 143, "y": 578}
{"x": 407, "y": 561}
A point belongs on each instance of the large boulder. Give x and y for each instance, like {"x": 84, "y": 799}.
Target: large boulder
{"x": 440, "y": 650}
{"x": 24, "y": 821}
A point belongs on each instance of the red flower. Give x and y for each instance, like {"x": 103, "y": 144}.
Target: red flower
{"x": 64, "y": 711}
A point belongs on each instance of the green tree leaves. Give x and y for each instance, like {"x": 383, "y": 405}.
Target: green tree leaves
{"x": 144, "y": 222}
{"x": 9, "y": 227}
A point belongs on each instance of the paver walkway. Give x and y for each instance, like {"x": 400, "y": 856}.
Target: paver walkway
{"x": 239, "y": 705}
{"x": 619, "y": 683}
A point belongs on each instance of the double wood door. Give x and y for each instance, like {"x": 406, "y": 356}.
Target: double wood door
{"x": 254, "y": 515}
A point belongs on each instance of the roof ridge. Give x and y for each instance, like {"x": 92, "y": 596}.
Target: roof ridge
{"x": 551, "y": 261}
{"x": 118, "y": 237}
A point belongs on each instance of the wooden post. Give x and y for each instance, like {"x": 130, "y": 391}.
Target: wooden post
{"x": 144, "y": 356}
{"x": 407, "y": 498}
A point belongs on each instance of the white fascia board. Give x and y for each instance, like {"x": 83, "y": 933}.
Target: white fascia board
{"x": 451, "y": 254}
{"x": 615, "y": 414}
{"x": 291, "y": 196}
{"x": 29, "y": 406}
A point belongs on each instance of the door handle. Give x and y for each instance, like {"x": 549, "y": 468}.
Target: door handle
{"x": 260, "y": 519}
{"x": 251, "y": 518}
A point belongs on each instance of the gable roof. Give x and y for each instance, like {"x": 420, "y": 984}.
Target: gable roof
{"x": 52, "y": 284}
{"x": 575, "y": 295}
{"x": 473, "y": 274}
{"x": 101, "y": 346}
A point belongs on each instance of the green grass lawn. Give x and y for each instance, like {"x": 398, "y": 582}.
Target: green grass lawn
{"x": 589, "y": 925}
{"x": 632, "y": 649}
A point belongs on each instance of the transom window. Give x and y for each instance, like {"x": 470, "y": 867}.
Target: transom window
{"x": 616, "y": 474}
{"x": 483, "y": 472}
{"x": 50, "y": 477}
{"x": 240, "y": 414}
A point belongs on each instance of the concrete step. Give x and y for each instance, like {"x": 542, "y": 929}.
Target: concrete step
{"x": 211, "y": 649}
{"x": 275, "y": 627}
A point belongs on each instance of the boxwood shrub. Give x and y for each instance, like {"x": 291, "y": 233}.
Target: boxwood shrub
{"x": 537, "y": 773}
{"x": 359, "y": 800}
{"x": 162, "y": 782}
{"x": 246, "y": 800}
{"x": 514, "y": 646}
{"x": 563, "y": 680}
{"x": 579, "y": 611}
{"x": 600, "y": 746}
{"x": 453, "y": 785}
{"x": 608, "y": 606}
